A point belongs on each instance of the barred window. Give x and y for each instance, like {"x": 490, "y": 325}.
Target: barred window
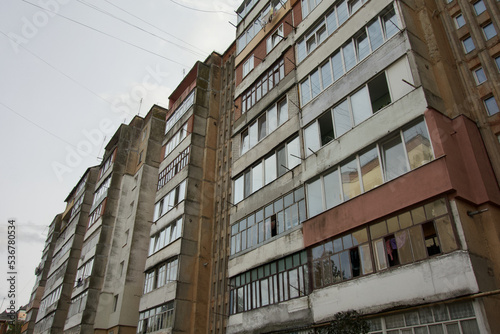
{"x": 96, "y": 214}
{"x": 173, "y": 168}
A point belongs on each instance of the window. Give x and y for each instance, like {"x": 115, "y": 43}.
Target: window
{"x": 269, "y": 284}
{"x": 275, "y": 218}
{"x": 179, "y": 111}
{"x": 479, "y": 7}
{"x": 106, "y": 165}
{"x": 248, "y": 66}
{"x": 408, "y": 237}
{"x": 275, "y": 165}
{"x": 491, "y": 105}
{"x": 345, "y": 58}
{"x": 176, "y": 140}
{"x": 165, "y": 236}
{"x": 96, "y": 214}
{"x": 77, "y": 205}
{"x": 276, "y": 115}
{"x": 263, "y": 85}
{"x": 83, "y": 272}
{"x": 393, "y": 157}
{"x": 162, "y": 274}
{"x": 468, "y": 44}
{"x": 308, "y": 6}
{"x": 432, "y": 319}
{"x": 349, "y": 113}
{"x": 78, "y": 304}
{"x": 379, "y": 163}
{"x": 326, "y": 26}
{"x": 170, "y": 200}
{"x": 115, "y": 303}
{"x": 156, "y": 318}
{"x": 489, "y": 31}
{"x": 274, "y": 39}
{"x": 479, "y": 75}
{"x": 341, "y": 259}
{"x": 497, "y": 61}
{"x": 173, "y": 168}
{"x": 245, "y": 8}
{"x": 390, "y": 23}
{"x": 102, "y": 191}
{"x": 459, "y": 21}
{"x": 259, "y": 23}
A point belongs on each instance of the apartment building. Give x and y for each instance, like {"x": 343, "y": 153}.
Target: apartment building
{"x": 472, "y": 30}
{"x": 41, "y": 272}
{"x": 339, "y": 155}
{"x": 175, "y": 296}
{"x": 363, "y": 172}
{"x": 66, "y": 231}
{"x": 109, "y": 277}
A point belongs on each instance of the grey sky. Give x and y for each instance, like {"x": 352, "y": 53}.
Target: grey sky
{"x": 65, "y": 86}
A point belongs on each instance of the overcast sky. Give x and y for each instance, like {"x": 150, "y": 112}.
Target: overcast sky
{"x": 68, "y": 77}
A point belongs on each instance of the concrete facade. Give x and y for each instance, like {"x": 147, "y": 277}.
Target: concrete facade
{"x": 41, "y": 272}
{"x": 68, "y": 235}
{"x": 330, "y": 231}
{"x": 109, "y": 280}
{"x": 176, "y": 289}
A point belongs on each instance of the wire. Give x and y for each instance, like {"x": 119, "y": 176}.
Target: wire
{"x": 64, "y": 74}
{"x": 151, "y": 25}
{"x": 104, "y": 33}
{"x": 202, "y": 10}
{"x": 139, "y": 28}
{"x": 39, "y": 126}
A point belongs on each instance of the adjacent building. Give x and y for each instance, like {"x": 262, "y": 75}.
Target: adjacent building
{"x": 176, "y": 285}
{"x": 109, "y": 276}
{"x": 41, "y": 272}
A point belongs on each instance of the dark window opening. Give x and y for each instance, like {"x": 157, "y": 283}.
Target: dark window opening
{"x": 355, "y": 262}
{"x": 431, "y": 239}
{"x": 379, "y": 92}
{"x": 326, "y": 128}
{"x": 274, "y": 230}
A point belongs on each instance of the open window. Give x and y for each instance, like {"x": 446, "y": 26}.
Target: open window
{"x": 326, "y": 128}
{"x": 431, "y": 239}
{"x": 379, "y": 92}
{"x": 274, "y": 39}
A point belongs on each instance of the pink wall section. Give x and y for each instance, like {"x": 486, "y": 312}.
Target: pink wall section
{"x": 461, "y": 169}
